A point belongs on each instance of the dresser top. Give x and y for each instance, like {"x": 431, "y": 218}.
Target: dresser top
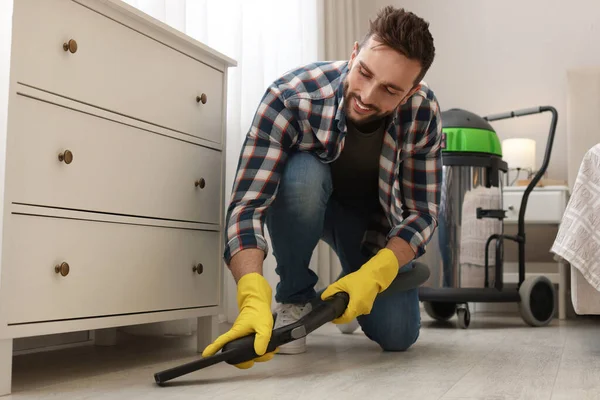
{"x": 549, "y": 188}
{"x": 153, "y": 23}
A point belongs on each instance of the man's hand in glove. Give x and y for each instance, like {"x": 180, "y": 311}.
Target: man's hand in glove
{"x": 365, "y": 284}
{"x": 254, "y": 302}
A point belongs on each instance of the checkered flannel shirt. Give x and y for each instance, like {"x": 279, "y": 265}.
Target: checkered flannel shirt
{"x": 303, "y": 111}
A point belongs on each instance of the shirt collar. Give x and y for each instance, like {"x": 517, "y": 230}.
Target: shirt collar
{"x": 340, "y": 115}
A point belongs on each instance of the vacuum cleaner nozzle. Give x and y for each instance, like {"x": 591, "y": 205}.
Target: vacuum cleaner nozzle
{"x": 323, "y": 311}
{"x": 242, "y": 349}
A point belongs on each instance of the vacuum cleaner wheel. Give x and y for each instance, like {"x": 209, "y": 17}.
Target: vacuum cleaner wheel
{"x": 439, "y": 311}
{"x": 538, "y": 298}
{"x": 464, "y": 316}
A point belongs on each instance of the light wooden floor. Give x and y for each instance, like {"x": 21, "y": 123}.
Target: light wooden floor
{"x": 498, "y": 357}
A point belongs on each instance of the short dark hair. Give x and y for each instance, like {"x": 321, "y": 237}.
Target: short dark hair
{"x": 406, "y": 33}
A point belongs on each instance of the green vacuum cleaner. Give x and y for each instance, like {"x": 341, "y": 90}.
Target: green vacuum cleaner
{"x": 472, "y": 158}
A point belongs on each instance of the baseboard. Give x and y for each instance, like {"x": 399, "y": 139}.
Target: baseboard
{"x": 40, "y": 344}
{"x": 500, "y": 308}
{"x": 513, "y": 277}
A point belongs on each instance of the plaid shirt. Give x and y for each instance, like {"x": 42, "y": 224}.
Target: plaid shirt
{"x": 303, "y": 111}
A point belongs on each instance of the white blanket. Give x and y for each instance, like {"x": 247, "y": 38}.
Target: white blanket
{"x": 475, "y": 232}
{"x": 578, "y": 238}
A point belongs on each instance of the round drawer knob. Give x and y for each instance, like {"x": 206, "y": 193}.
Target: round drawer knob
{"x": 202, "y": 98}
{"x": 62, "y": 269}
{"x": 201, "y": 183}
{"x": 71, "y": 46}
{"x": 198, "y": 269}
{"x": 511, "y": 208}
{"x": 67, "y": 157}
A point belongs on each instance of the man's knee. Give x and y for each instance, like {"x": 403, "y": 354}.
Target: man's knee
{"x": 398, "y": 341}
{"x": 395, "y": 320}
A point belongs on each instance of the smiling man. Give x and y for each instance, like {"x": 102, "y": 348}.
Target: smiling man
{"x": 347, "y": 152}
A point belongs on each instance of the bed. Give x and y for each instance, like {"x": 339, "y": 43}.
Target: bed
{"x": 578, "y": 238}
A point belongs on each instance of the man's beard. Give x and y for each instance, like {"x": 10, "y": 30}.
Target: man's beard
{"x": 366, "y": 124}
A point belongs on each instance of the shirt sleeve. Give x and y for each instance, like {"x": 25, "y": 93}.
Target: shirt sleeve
{"x": 420, "y": 177}
{"x": 262, "y": 158}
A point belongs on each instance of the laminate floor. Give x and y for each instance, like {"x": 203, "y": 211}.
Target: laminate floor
{"x": 498, "y": 357}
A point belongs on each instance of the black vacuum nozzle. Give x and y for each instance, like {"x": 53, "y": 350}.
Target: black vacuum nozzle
{"x": 324, "y": 311}
{"x": 242, "y": 349}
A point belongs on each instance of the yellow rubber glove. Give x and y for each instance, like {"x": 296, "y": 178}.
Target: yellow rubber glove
{"x": 364, "y": 285}
{"x": 254, "y": 303}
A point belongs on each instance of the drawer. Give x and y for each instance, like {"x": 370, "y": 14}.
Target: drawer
{"x": 115, "y": 168}
{"x": 542, "y": 206}
{"x": 113, "y": 269}
{"x": 115, "y": 68}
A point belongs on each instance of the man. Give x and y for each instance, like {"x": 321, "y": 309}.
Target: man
{"x": 347, "y": 152}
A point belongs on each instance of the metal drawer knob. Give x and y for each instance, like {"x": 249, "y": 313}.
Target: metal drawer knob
{"x": 198, "y": 269}
{"x": 202, "y": 98}
{"x": 201, "y": 183}
{"x": 62, "y": 269}
{"x": 71, "y": 46}
{"x": 66, "y": 156}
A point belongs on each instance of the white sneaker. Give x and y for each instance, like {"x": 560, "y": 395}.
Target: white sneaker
{"x": 348, "y": 328}
{"x": 288, "y": 314}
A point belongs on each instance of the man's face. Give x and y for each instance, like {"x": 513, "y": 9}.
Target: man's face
{"x": 380, "y": 79}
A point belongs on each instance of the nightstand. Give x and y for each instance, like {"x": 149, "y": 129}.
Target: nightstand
{"x": 545, "y": 205}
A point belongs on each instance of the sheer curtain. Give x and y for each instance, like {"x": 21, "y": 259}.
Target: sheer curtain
{"x": 339, "y": 27}
{"x": 266, "y": 38}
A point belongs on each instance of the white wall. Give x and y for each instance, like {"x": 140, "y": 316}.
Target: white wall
{"x": 6, "y": 13}
{"x": 500, "y": 55}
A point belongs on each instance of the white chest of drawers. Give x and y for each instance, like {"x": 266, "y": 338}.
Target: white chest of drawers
{"x": 113, "y": 155}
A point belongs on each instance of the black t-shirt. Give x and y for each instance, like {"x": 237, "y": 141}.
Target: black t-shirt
{"x": 355, "y": 173}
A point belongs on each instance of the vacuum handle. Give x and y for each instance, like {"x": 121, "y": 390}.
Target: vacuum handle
{"x": 512, "y": 114}
{"x": 330, "y": 309}
{"x": 538, "y": 175}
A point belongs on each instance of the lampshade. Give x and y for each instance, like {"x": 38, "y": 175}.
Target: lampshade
{"x": 519, "y": 153}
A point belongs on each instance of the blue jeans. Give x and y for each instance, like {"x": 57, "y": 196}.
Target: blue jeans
{"x": 303, "y": 213}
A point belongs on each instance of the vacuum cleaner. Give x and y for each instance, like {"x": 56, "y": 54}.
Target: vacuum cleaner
{"x": 324, "y": 311}
{"x": 471, "y": 158}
